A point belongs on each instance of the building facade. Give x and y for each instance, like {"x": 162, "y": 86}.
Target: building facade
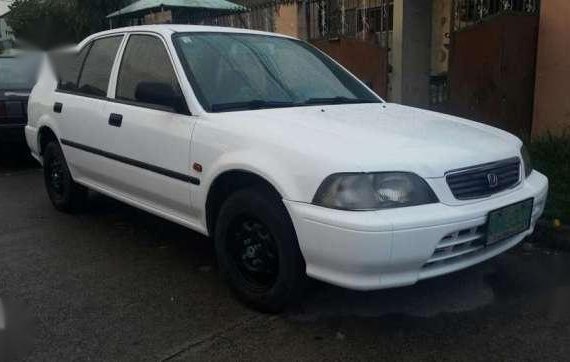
{"x": 495, "y": 61}
{"x": 6, "y": 33}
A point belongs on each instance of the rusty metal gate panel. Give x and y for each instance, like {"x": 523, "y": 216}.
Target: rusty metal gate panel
{"x": 367, "y": 61}
{"x": 492, "y": 72}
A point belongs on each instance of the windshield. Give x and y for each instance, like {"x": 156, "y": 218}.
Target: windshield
{"x": 231, "y": 72}
{"x": 19, "y": 72}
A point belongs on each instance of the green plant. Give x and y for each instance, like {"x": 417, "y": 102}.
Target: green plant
{"x": 551, "y": 156}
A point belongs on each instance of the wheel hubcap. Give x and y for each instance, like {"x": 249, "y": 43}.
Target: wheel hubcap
{"x": 56, "y": 176}
{"x": 254, "y": 252}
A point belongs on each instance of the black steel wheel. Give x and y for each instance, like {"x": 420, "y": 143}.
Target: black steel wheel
{"x": 258, "y": 251}
{"x": 55, "y": 173}
{"x": 254, "y": 251}
{"x": 65, "y": 194}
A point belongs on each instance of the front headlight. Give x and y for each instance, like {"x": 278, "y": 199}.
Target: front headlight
{"x": 373, "y": 191}
{"x": 527, "y": 163}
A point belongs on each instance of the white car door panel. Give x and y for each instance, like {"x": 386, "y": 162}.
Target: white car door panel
{"x": 78, "y": 128}
{"x": 81, "y": 102}
{"x": 147, "y": 143}
{"x": 150, "y": 153}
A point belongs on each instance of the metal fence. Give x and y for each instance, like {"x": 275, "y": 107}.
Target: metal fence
{"x": 470, "y": 12}
{"x": 370, "y": 20}
{"x": 259, "y": 17}
{"x": 364, "y": 19}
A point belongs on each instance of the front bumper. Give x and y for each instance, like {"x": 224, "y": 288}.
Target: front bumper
{"x": 397, "y": 247}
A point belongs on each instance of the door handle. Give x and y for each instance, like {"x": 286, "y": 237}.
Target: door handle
{"x": 115, "y": 119}
{"x": 57, "y": 107}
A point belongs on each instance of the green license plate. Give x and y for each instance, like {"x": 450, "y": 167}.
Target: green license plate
{"x": 509, "y": 221}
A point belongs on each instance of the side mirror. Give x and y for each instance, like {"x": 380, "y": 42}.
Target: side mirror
{"x": 161, "y": 94}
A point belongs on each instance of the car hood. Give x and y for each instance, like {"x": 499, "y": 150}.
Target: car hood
{"x": 379, "y": 137}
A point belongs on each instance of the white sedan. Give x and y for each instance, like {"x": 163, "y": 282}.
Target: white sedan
{"x": 290, "y": 163}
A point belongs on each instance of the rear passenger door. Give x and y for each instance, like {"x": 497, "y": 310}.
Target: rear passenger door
{"x": 151, "y": 128}
{"x": 79, "y": 106}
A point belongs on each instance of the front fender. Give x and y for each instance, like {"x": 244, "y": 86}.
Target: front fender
{"x": 251, "y": 161}
{"x": 270, "y": 169}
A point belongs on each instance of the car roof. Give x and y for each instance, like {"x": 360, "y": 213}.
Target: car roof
{"x": 169, "y": 29}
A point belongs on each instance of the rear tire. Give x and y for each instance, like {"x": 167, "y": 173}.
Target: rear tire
{"x": 258, "y": 252}
{"x": 65, "y": 194}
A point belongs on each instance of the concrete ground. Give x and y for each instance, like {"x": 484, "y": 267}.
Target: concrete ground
{"x": 115, "y": 283}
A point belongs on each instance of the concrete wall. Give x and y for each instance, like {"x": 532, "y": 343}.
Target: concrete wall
{"x": 552, "y": 92}
{"x": 396, "y": 63}
{"x": 287, "y": 20}
{"x": 441, "y": 20}
{"x": 416, "y": 52}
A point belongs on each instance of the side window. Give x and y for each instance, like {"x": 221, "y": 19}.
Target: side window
{"x": 147, "y": 77}
{"x": 94, "y": 78}
{"x": 67, "y": 67}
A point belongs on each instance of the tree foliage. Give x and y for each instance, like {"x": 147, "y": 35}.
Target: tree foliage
{"x": 50, "y": 23}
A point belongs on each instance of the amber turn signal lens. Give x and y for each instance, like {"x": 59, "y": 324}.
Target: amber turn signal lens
{"x": 197, "y": 167}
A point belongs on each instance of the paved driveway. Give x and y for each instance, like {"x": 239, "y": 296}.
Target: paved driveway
{"x": 115, "y": 283}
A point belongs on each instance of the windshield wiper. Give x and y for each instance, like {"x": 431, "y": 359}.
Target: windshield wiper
{"x": 338, "y": 100}
{"x": 261, "y": 104}
{"x": 248, "y": 105}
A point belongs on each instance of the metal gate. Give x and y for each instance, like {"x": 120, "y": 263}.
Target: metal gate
{"x": 367, "y": 61}
{"x": 356, "y": 33}
{"x": 492, "y": 62}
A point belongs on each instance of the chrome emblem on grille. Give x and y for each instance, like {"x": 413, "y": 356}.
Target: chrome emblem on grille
{"x": 493, "y": 180}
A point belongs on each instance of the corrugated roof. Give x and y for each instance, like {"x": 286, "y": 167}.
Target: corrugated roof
{"x": 143, "y": 5}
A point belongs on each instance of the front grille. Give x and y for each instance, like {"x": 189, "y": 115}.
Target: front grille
{"x": 475, "y": 182}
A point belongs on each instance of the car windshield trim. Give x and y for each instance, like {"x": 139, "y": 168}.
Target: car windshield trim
{"x": 363, "y": 94}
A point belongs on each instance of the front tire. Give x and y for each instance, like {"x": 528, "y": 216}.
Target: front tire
{"x": 65, "y": 194}
{"x": 258, "y": 252}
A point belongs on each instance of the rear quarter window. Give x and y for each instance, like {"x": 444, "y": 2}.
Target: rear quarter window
{"x": 87, "y": 72}
{"x": 67, "y": 66}
{"x": 96, "y": 72}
